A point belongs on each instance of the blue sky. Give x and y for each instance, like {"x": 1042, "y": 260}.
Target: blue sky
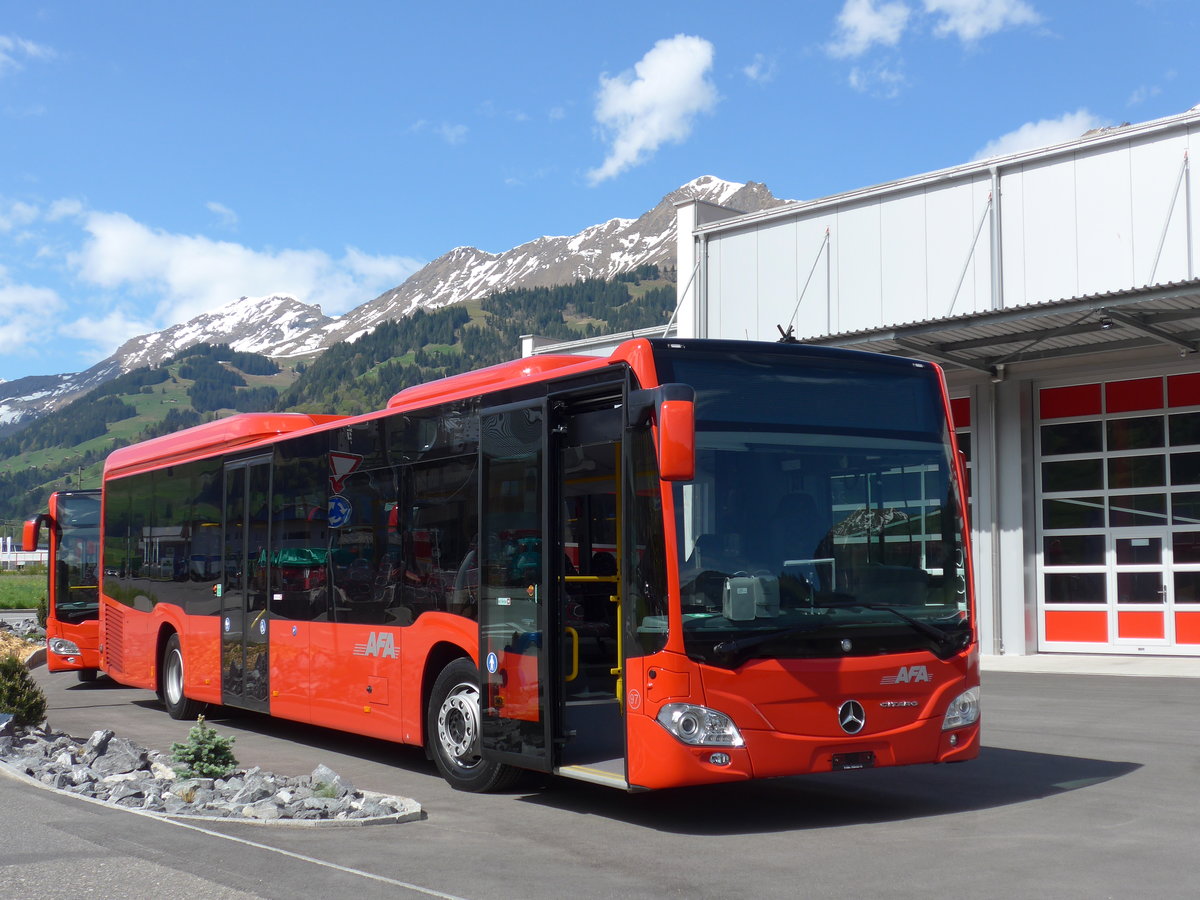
{"x": 161, "y": 159}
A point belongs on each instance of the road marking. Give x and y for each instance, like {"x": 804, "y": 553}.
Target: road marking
{"x": 12, "y": 772}
{"x": 430, "y": 892}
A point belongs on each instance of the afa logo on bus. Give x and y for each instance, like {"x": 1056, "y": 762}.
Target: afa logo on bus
{"x": 907, "y": 675}
{"x": 380, "y": 643}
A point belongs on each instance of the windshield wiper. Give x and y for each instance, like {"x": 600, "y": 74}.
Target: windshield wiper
{"x": 730, "y": 649}
{"x": 947, "y": 644}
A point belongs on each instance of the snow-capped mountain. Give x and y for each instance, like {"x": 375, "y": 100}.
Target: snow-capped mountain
{"x": 280, "y": 326}
{"x": 26, "y": 398}
{"x": 252, "y": 324}
{"x": 600, "y": 251}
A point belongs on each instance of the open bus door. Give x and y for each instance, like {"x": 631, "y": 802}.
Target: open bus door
{"x": 245, "y": 669}
{"x": 550, "y": 650}
{"x": 519, "y": 706}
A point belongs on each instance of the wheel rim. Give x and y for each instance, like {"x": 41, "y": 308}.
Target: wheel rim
{"x": 458, "y": 726}
{"x": 174, "y": 684}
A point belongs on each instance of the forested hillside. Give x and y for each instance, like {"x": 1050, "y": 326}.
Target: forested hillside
{"x": 361, "y": 376}
{"x": 67, "y": 448}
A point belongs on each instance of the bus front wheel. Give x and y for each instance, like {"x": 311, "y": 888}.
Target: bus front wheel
{"x": 171, "y": 691}
{"x": 452, "y": 731}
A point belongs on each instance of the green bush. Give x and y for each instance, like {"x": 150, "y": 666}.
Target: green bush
{"x": 43, "y": 611}
{"x": 19, "y": 693}
{"x": 206, "y": 753}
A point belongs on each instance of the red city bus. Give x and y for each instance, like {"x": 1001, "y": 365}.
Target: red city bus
{"x": 73, "y": 577}
{"x": 687, "y": 562}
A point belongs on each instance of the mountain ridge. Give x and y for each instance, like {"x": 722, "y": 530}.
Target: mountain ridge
{"x": 284, "y": 327}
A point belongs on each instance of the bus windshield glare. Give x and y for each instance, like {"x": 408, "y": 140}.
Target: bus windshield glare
{"x": 823, "y": 521}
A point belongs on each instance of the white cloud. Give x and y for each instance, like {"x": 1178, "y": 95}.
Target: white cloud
{"x": 386, "y": 270}
{"x": 863, "y": 23}
{"x": 970, "y": 20}
{"x": 226, "y": 217}
{"x": 655, "y": 102}
{"x": 17, "y": 214}
{"x": 65, "y": 208}
{"x": 1142, "y": 94}
{"x": 761, "y": 70}
{"x": 103, "y": 334}
{"x": 25, "y": 311}
{"x": 15, "y": 50}
{"x": 1043, "y": 133}
{"x": 195, "y": 274}
{"x": 452, "y": 134}
{"x": 879, "y": 80}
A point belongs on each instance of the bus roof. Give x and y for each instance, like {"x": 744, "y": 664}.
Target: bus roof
{"x": 635, "y": 352}
{"x": 250, "y": 428}
{"x": 470, "y": 383}
{"x": 234, "y": 431}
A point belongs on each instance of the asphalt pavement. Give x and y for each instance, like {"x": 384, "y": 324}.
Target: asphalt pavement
{"x": 1086, "y": 788}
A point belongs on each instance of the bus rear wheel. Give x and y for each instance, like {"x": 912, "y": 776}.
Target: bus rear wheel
{"x": 452, "y": 732}
{"x": 171, "y": 690}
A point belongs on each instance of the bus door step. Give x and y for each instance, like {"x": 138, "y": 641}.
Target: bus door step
{"x": 610, "y": 773}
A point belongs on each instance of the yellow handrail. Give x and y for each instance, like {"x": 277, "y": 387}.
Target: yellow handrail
{"x": 574, "y": 653}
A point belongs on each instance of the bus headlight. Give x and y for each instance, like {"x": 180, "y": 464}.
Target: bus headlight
{"x": 699, "y": 725}
{"x": 964, "y": 710}
{"x": 64, "y": 647}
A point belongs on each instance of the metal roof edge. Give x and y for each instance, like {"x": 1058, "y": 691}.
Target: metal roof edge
{"x": 1122, "y": 297}
{"x": 961, "y": 172}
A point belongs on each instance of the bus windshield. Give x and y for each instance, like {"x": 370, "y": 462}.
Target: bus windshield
{"x": 823, "y": 520}
{"x": 76, "y": 581}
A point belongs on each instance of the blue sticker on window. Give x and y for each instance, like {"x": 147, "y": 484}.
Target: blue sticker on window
{"x": 339, "y": 511}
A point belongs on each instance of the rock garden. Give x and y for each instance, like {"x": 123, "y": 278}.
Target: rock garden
{"x": 199, "y": 778}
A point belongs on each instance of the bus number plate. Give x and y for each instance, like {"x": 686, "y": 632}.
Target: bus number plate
{"x": 863, "y": 760}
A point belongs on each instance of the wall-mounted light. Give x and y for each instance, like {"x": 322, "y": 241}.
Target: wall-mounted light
{"x": 1106, "y": 323}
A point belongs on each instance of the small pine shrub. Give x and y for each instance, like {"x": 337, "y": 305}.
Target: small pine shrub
{"x": 43, "y": 610}
{"x": 206, "y": 753}
{"x": 19, "y": 693}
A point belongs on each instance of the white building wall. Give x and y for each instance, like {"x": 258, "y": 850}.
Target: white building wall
{"x": 1083, "y": 218}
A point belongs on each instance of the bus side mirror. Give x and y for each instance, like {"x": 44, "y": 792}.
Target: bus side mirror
{"x": 32, "y": 531}
{"x": 672, "y": 408}
{"x": 677, "y": 440}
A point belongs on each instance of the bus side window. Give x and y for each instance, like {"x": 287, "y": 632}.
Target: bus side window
{"x": 300, "y": 535}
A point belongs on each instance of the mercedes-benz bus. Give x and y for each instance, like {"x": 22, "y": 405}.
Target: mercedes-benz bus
{"x": 686, "y": 562}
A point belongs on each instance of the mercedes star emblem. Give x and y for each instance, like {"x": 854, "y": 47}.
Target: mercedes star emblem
{"x": 852, "y": 717}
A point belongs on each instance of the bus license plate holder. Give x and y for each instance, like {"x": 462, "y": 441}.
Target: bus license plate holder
{"x": 864, "y": 759}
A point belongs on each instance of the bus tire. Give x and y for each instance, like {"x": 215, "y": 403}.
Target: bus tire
{"x": 86, "y": 675}
{"x": 452, "y": 732}
{"x": 177, "y": 703}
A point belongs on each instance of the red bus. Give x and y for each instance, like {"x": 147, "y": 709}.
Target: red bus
{"x": 687, "y": 562}
{"x": 73, "y": 580}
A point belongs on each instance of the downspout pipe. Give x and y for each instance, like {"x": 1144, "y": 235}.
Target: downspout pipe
{"x": 994, "y": 422}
